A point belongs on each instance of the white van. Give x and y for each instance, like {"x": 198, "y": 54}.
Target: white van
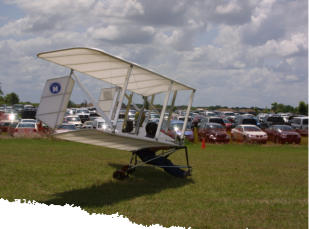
{"x": 99, "y": 123}
{"x": 300, "y": 124}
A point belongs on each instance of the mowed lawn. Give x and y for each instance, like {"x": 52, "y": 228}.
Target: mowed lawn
{"x": 233, "y": 186}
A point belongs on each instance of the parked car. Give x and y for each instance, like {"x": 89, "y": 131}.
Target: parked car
{"x": 213, "y": 132}
{"x": 272, "y": 120}
{"x": 228, "y": 124}
{"x": 196, "y": 120}
{"x": 99, "y": 123}
{"x": 300, "y": 124}
{"x": 154, "y": 117}
{"x": 283, "y": 134}
{"x": 26, "y": 129}
{"x": 65, "y": 127}
{"x": 18, "y": 107}
{"x": 83, "y": 114}
{"x": 73, "y": 119}
{"x": 175, "y": 128}
{"x": 247, "y": 119}
{"x": 213, "y": 120}
{"x": 28, "y": 120}
{"x": 11, "y": 128}
{"x": 249, "y": 133}
{"x": 5, "y": 125}
{"x": 88, "y": 125}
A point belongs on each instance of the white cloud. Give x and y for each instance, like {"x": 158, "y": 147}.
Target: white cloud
{"x": 231, "y": 7}
{"x": 258, "y": 51}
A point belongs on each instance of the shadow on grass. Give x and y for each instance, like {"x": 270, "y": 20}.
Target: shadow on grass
{"x": 143, "y": 181}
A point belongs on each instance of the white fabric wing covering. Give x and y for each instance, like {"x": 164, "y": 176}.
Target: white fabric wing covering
{"x": 112, "y": 69}
{"x": 121, "y": 142}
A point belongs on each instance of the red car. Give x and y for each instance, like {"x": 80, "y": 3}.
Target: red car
{"x": 6, "y": 125}
{"x": 213, "y": 132}
{"x": 228, "y": 124}
{"x": 26, "y": 129}
{"x": 283, "y": 134}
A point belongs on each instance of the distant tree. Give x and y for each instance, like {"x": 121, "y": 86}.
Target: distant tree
{"x": 84, "y": 103}
{"x": 274, "y": 107}
{"x": 11, "y": 98}
{"x": 303, "y": 108}
{"x": 71, "y": 104}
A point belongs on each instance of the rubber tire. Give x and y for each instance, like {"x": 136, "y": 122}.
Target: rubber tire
{"x": 119, "y": 175}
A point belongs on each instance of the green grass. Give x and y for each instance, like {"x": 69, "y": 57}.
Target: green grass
{"x": 233, "y": 186}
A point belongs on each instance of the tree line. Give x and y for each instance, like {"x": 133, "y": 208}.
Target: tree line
{"x": 9, "y": 99}
{"x": 302, "y": 108}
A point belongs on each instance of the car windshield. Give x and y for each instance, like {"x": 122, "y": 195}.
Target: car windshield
{"x": 26, "y": 125}
{"x": 214, "y": 126}
{"x": 28, "y": 120}
{"x": 67, "y": 127}
{"x": 249, "y": 121}
{"x": 275, "y": 119}
{"x": 73, "y": 119}
{"x": 251, "y": 128}
{"x": 216, "y": 120}
{"x": 177, "y": 126}
{"x": 154, "y": 116}
{"x": 228, "y": 114}
{"x": 82, "y": 111}
{"x": 305, "y": 122}
{"x": 285, "y": 128}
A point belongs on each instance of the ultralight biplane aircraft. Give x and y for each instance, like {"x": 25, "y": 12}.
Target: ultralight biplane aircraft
{"x": 126, "y": 78}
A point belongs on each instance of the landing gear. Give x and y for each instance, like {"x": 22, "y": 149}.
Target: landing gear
{"x": 123, "y": 173}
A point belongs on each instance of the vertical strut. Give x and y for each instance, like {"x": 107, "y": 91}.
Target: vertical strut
{"x": 123, "y": 91}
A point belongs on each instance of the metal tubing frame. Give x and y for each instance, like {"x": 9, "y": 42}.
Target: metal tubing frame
{"x": 92, "y": 100}
{"x": 151, "y": 106}
{"x": 112, "y": 111}
{"x": 171, "y": 109}
{"x": 139, "y": 118}
{"x": 138, "y": 163}
{"x": 167, "y": 96}
{"x": 132, "y": 103}
{"x": 123, "y": 92}
{"x": 187, "y": 115}
{"x": 129, "y": 98}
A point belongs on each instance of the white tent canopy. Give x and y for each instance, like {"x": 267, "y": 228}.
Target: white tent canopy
{"x": 113, "y": 70}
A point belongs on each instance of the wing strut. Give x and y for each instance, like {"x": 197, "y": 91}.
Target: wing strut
{"x": 123, "y": 92}
{"x": 187, "y": 114}
{"x": 167, "y": 96}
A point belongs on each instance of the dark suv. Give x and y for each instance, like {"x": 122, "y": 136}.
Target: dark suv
{"x": 273, "y": 120}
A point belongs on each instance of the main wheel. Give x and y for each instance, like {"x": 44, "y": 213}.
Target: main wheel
{"x": 120, "y": 175}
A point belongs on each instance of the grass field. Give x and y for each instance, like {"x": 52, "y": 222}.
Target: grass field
{"x": 233, "y": 186}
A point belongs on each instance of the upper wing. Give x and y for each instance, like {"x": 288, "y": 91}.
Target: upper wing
{"x": 111, "y": 69}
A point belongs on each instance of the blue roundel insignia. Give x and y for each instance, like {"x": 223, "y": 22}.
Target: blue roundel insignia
{"x": 55, "y": 88}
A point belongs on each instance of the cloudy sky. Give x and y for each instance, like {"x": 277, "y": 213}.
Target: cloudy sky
{"x": 235, "y": 53}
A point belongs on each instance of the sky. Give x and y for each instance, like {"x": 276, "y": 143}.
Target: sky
{"x": 235, "y": 53}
